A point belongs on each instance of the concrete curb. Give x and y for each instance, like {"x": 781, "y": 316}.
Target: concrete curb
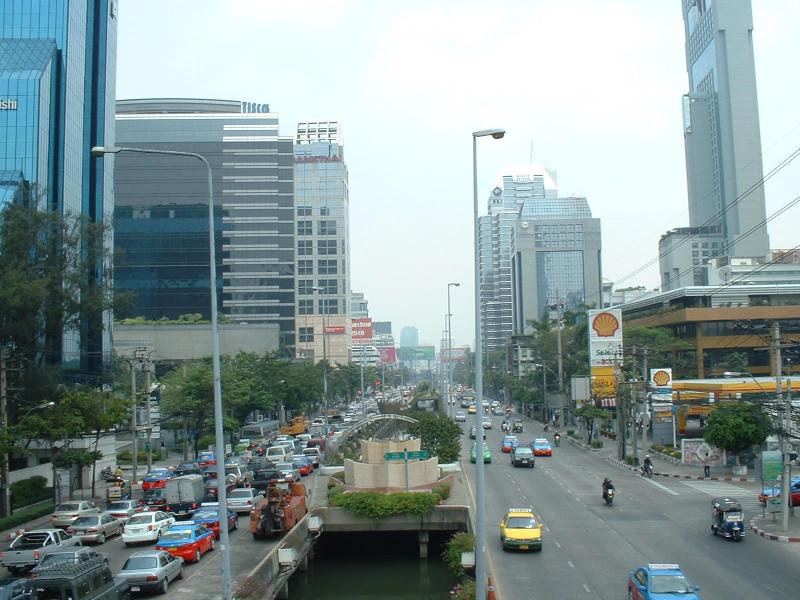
{"x": 773, "y": 536}
{"x": 624, "y": 465}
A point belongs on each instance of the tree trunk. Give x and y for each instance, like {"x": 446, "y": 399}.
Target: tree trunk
{"x": 94, "y": 462}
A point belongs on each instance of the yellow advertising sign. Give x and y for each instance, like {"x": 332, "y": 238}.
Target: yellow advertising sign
{"x": 604, "y": 382}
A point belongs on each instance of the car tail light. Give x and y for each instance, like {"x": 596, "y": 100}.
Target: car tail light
{"x": 194, "y": 504}
{"x": 166, "y": 508}
{"x": 37, "y": 555}
{"x": 1, "y": 556}
{"x": 152, "y": 578}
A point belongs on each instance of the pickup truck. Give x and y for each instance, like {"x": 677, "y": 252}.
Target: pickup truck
{"x": 28, "y": 549}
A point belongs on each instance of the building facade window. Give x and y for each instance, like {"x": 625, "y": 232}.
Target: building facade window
{"x": 327, "y": 267}
{"x": 305, "y": 247}
{"x": 329, "y": 286}
{"x": 303, "y": 211}
{"x": 304, "y": 228}
{"x": 305, "y": 287}
{"x": 329, "y": 306}
{"x": 306, "y": 334}
{"x": 324, "y": 211}
{"x": 305, "y": 307}
{"x": 305, "y": 267}
{"x": 327, "y": 228}
{"x": 326, "y": 247}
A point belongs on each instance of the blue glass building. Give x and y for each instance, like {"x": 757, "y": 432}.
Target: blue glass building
{"x": 57, "y": 87}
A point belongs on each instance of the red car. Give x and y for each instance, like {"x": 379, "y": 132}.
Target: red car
{"x": 206, "y": 459}
{"x": 541, "y": 447}
{"x": 775, "y": 492}
{"x": 157, "y": 478}
{"x": 208, "y": 516}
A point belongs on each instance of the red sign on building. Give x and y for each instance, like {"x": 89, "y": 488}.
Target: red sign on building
{"x": 362, "y": 330}
{"x": 388, "y": 355}
{"x": 334, "y": 329}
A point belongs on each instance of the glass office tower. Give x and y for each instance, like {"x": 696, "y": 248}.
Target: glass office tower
{"x": 57, "y": 85}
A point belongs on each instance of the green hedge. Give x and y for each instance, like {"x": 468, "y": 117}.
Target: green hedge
{"x": 126, "y": 457}
{"x": 30, "y": 491}
{"x": 376, "y": 505}
{"x": 25, "y": 515}
{"x": 460, "y": 542}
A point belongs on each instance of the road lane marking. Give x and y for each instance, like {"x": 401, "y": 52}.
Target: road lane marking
{"x": 569, "y": 562}
{"x": 586, "y": 587}
{"x": 489, "y": 562}
{"x": 663, "y": 487}
{"x": 557, "y": 544}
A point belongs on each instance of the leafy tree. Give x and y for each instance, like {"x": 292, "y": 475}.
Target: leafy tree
{"x": 737, "y": 426}
{"x": 590, "y": 414}
{"x": 663, "y": 347}
{"x": 439, "y": 435}
{"x": 187, "y": 396}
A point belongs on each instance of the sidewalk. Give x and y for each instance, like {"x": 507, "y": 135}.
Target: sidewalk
{"x": 769, "y": 527}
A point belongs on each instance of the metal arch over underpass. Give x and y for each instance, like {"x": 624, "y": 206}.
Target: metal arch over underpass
{"x": 361, "y": 425}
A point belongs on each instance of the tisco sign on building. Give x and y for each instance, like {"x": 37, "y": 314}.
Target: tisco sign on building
{"x": 8, "y": 104}
{"x": 362, "y": 330}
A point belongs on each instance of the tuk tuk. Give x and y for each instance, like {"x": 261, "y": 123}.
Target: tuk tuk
{"x": 727, "y": 518}
{"x": 119, "y": 489}
{"x": 516, "y": 427}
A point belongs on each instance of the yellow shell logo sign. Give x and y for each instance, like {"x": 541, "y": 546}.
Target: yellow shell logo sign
{"x": 605, "y": 325}
{"x": 661, "y": 378}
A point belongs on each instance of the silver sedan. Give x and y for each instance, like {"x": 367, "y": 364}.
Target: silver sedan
{"x": 96, "y": 528}
{"x": 67, "y": 512}
{"x": 150, "y": 570}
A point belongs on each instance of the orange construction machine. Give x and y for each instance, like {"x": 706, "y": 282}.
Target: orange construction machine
{"x": 279, "y": 511}
{"x": 296, "y": 426}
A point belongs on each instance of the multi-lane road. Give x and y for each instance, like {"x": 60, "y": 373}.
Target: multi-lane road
{"x": 590, "y": 547}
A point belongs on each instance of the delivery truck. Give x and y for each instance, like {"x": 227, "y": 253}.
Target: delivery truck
{"x": 184, "y": 494}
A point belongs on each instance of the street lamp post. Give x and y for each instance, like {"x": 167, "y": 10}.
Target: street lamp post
{"x": 99, "y": 151}
{"x": 324, "y": 310}
{"x": 480, "y": 534}
{"x": 450, "y": 351}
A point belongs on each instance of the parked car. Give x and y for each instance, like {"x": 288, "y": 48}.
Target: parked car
{"x": 151, "y": 570}
{"x": 146, "y": 527}
{"x": 206, "y": 459}
{"x": 289, "y": 471}
{"x": 263, "y": 477}
{"x": 473, "y": 433}
{"x": 69, "y": 557}
{"x": 461, "y": 417}
{"x": 122, "y": 509}
{"x": 96, "y": 528}
{"x": 212, "y": 489}
{"x": 242, "y": 500}
{"x": 768, "y": 493}
{"x": 67, "y": 512}
{"x": 90, "y": 580}
{"x": 238, "y": 475}
{"x": 30, "y": 548}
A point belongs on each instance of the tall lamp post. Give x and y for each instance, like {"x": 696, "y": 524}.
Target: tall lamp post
{"x": 450, "y": 351}
{"x": 323, "y": 306}
{"x": 480, "y": 536}
{"x": 99, "y": 151}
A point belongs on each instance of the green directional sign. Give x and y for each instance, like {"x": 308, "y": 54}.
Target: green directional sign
{"x": 771, "y": 465}
{"x": 413, "y": 455}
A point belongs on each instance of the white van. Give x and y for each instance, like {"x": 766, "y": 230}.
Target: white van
{"x": 279, "y": 453}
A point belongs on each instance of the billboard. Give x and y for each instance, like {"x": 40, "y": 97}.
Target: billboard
{"x": 605, "y": 337}
{"x": 362, "y": 330}
{"x": 661, "y": 385}
{"x": 411, "y": 353}
{"x": 388, "y": 355}
{"x": 334, "y": 329}
{"x": 604, "y": 382}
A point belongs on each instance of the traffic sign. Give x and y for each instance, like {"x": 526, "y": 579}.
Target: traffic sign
{"x": 413, "y": 455}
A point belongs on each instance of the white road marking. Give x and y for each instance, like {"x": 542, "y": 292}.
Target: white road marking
{"x": 547, "y": 529}
{"x": 662, "y": 487}
{"x": 747, "y": 498}
{"x": 569, "y": 562}
{"x": 586, "y": 587}
{"x": 557, "y": 544}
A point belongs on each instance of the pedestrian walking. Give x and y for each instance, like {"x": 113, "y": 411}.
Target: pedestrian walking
{"x": 706, "y": 469}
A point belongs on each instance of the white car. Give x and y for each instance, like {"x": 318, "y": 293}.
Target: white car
{"x": 243, "y": 499}
{"x": 146, "y": 527}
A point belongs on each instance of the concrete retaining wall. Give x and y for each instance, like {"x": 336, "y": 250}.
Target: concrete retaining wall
{"x": 439, "y": 518}
{"x": 391, "y": 475}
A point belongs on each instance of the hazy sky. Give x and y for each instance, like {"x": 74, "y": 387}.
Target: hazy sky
{"x": 592, "y": 88}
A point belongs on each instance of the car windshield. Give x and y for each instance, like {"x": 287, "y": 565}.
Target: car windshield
{"x": 68, "y": 507}
{"x": 205, "y": 514}
{"x": 158, "y": 473}
{"x": 85, "y": 521}
{"x": 523, "y": 451}
{"x": 541, "y": 444}
{"x": 118, "y": 506}
{"x": 521, "y": 523}
{"x": 134, "y": 563}
{"x": 140, "y": 519}
{"x": 177, "y": 535}
{"x": 239, "y": 494}
{"x": 670, "y": 584}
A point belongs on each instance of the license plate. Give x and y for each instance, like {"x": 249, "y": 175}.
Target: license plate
{"x": 79, "y": 532}
{"x": 523, "y": 547}
{"x": 136, "y": 588}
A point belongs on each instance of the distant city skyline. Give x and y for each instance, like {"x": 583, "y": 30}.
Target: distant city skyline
{"x": 614, "y": 132}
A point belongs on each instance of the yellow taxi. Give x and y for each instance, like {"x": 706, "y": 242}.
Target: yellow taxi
{"x": 472, "y": 409}
{"x": 521, "y": 529}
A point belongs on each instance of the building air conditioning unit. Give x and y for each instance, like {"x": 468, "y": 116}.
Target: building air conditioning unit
{"x": 286, "y": 557}
{"x": 315, "y": 524}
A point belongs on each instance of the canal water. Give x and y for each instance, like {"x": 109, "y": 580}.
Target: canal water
{"x": 372, "y": 566}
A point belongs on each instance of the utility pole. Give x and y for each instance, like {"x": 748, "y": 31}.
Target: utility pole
{"x": 134, "y": 431}
{"x": 645, "y": 378}
{"x": 363, "y": 397}
{"x": 147, "y": 383}
{"x": 560, "y": 370}
{"x": 6, "y": 500}
{"x": 785, "y": 427}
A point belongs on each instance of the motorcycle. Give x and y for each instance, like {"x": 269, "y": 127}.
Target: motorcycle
{"x": 557, "y": 440}
{"x": 546, "y": 427}
{"x": 608, "y": 496}
{"x": 647, "y": 471}
{"x": 108, "y": 474}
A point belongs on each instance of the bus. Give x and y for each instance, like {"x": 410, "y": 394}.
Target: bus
{"x": 259, "y": 433}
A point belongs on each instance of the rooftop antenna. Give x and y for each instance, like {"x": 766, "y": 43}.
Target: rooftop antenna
{"x": 530, "y": 161}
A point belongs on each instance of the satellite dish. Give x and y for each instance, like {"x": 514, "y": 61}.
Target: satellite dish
{"x": 524, "y": 224}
